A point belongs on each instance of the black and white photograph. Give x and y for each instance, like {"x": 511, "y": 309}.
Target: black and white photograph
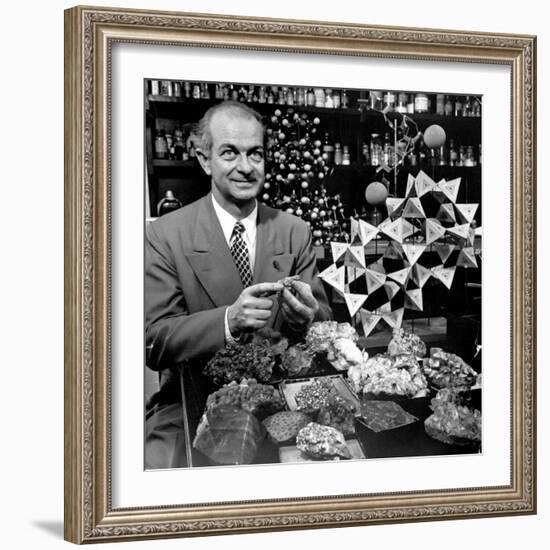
{"x": 312, "y": 273}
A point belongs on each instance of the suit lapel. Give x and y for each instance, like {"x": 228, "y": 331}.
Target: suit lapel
{"x": 271, "y": 263}
{"x": 211, "y": 260}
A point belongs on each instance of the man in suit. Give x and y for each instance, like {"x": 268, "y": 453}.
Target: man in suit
{"x": 212, "y": 269}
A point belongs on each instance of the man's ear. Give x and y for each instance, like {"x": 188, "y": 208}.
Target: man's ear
{"x": 204, "y": 161}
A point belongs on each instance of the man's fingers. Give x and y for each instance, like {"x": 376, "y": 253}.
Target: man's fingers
{"x": 304, "y": 292}
{"x": 258, "y": 303}
{"x": 264, "y": 289}
{"x": 256, "y": 324}
{"x": 262, "y": 314}
{"x": 294, "y": 304}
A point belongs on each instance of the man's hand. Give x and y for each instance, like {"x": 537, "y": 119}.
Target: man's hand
{"x": 299, "y": 310}
{"x": 252, "y": 308}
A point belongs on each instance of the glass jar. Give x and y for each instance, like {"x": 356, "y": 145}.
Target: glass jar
{"x": 338, "y": 157}
{"x": 344, "y": 99}
{"x": 196, "y": 93}
{"x": 161, "y": 147}
{"x": 328, "y": 150}
{"x": 166, "y": 88}
{"x": 329, "y": 103}
{"x": 401, "y": 106}
{"x": 453, "y": 154}
{"x": 319, "y": 97}
{"x": 168, "y": 203}
{"x": 346, "y": 159}
{"x": 469, "y": 159}
{"x": 336, "y": 99}
{"x": 410, "y": 104}
{"x": 389, "y": 101}
{"x": 375, "y": 100}
{"x": 421, "y": 103}
{"x": 375, "y": 150}
{"x": 458, "y": 106}
{"x": 440, "y": 104}
{"x": 155, "y": 87}
{"x": 187, "y": 89}
{"x": 448, "y": 107}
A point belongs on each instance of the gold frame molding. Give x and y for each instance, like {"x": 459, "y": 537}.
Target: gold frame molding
{"x": 89, "y": 35}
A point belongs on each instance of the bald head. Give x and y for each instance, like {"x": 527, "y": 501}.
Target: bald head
{"x": 227, "y": 110}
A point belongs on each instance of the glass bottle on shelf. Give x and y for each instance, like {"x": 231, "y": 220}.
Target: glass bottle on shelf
{"x": 234, "y": 93}
{"x": 410, "y": 104}
{"x": 420, "y": 103}
{"x": 467, "y": 107}
{"x": 365, "y": 152}
{"x": 166, "y": 88}
{"x": 161, "y": 147}
{"x": 262, "y": 96}
{"x": 310, "y": 97}
{"x": 389, "y": 101}
{"x": 329, "y": 103}
{"x": 412, "y": 158}
{"x": 336, "y": 99}
{"x": 301, "y": 96}
{"x": 448, "y": 107}
{"x": 453, "y": 154}
{"x": 401, "y": 106}
{"x": 469, "y": 159}
{"x": 346, "y": 159}
{"x": 476, "y": 107}
{"x": 442, "y": 156}
{"x": 458, "y": 106}
{"x": 187, "y": 89}
{"x": 179, "y": 145}
{"x": 375, "y": 100}
{"x": 281, "y": 95}
{"x": 196, "y": 93}
{"x": 170, "y": 146}
{"x": 168, "y": 203}
{"x": 218, "y": 93}
{"x": 319, "y": 97}
{"x": 270, "y": 96}
{"x": 375, "y": 150}
{"x": 290, "y": 96}
{"x": 423, "y": 155}
{"x": 176, "y": 88}
{"x": 344, "y": 99}
{"x": 328, "y": 150}
{"x": 440, "y": 104}
{"x": 154, "y": 87}
{"x": 226, "y": 92}
{"x": 205, "y": 92}
{"x": 461, "y": 156}
{"x": 338, "y": 158}
{"x": 241, "y": 94}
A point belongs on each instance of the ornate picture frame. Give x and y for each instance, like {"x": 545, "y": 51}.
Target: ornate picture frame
{"x": 90, "y": 34}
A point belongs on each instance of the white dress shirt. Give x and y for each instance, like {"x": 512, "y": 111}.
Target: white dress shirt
{"x": 227, "y": 222}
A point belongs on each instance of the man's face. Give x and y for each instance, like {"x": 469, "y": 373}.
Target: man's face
{"x": 236, "y": 158}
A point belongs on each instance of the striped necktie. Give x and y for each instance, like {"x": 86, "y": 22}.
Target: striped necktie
{"x": 239, "y": 250}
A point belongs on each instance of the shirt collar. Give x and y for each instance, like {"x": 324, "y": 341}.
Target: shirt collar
{"x": 227, "y": 221}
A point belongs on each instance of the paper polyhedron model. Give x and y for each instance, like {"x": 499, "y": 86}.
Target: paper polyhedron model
{"x": 427, "y": 219}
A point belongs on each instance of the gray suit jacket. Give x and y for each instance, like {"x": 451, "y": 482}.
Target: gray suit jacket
{"x": 191, "y": 278}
